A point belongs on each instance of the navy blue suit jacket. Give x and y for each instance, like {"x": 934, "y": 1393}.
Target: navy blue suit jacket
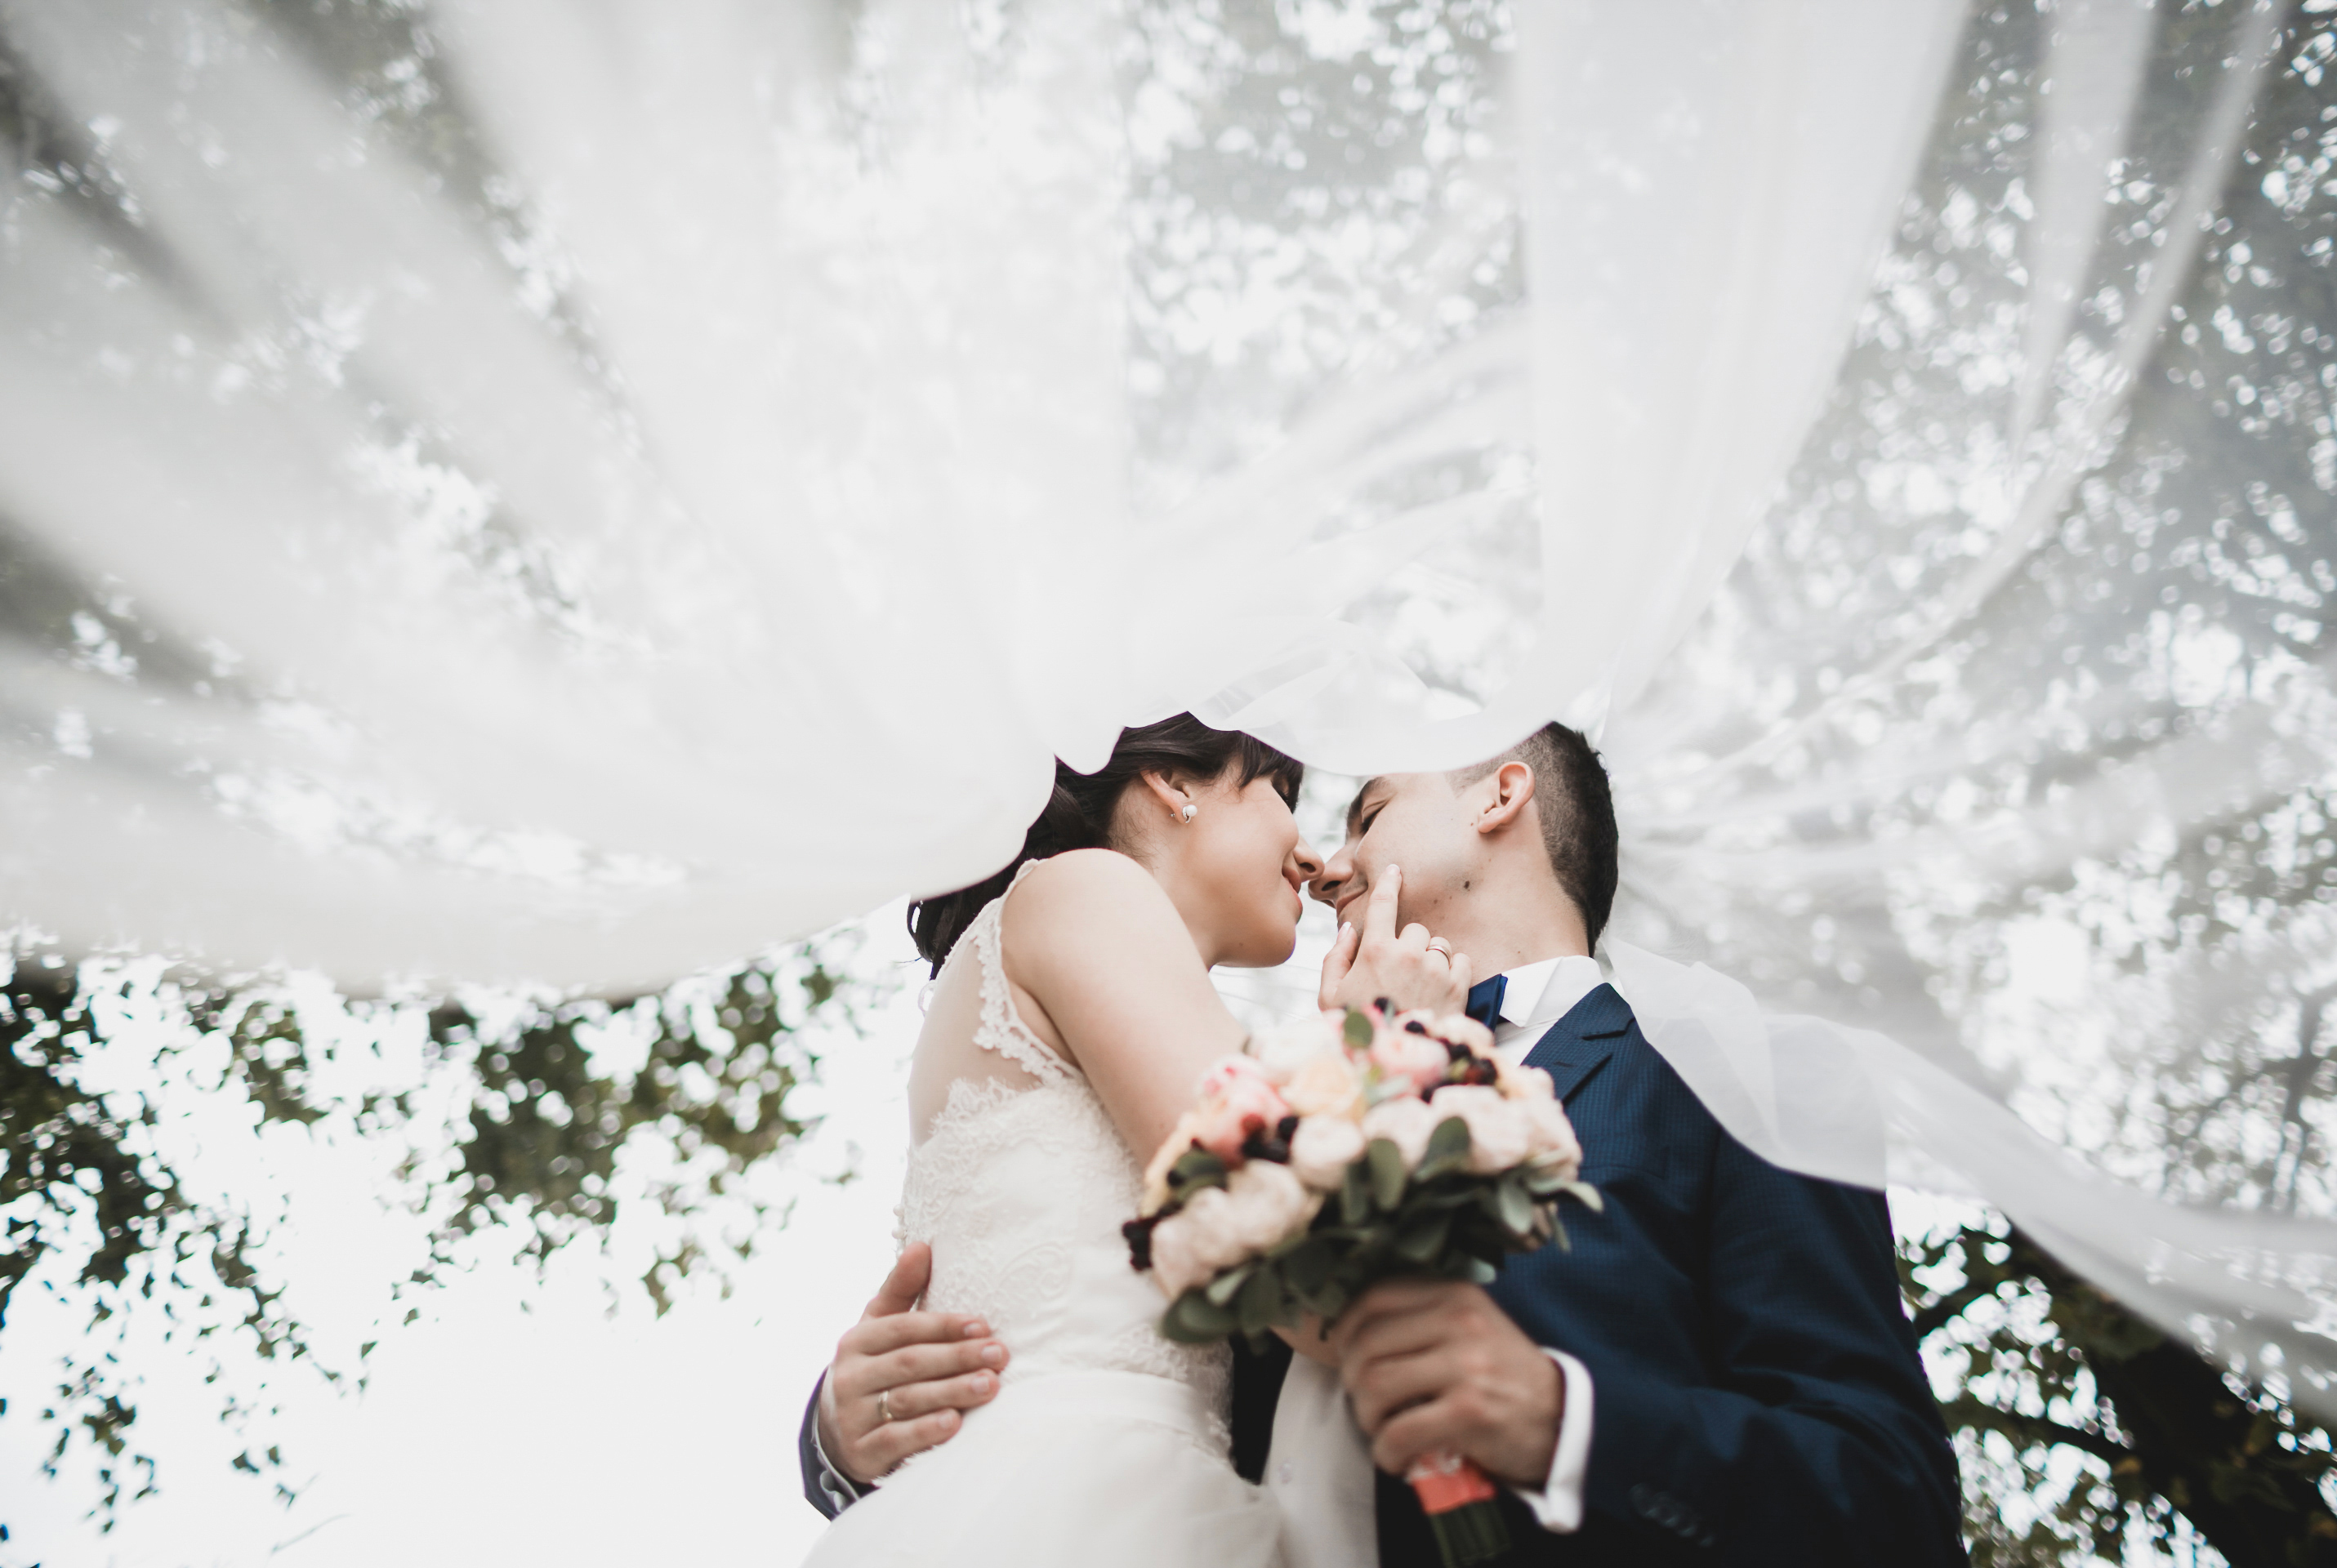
{"x": 1757, "y": 1397}
{"x": 1756, "y": 1394}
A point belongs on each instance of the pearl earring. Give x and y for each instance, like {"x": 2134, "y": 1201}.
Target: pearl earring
{"x": 1189, "y": 812}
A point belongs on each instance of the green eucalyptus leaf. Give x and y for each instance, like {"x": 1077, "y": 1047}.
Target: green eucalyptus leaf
{"x": 1195, "y": 1169}
{"x": 1357, "y": 1028}
{"x": 1355, "y": 1194}
{"x": 1221, "y": 1290}
{"x": 1517, "y": 1210}
{"x": 1448, "y": 1149}
{"x": 1388, "y": 1174}
{"x": 1307, "y": 1266}
{"x": 1422, "y": 1242}
{"x": 1193, "y": 1320}
{"x": 1262, "y": 1304}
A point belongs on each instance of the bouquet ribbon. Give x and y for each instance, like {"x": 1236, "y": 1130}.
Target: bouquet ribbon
{"x": 1460, "y": 1500}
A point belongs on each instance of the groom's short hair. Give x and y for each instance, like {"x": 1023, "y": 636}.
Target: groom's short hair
{"x": 1576, "y": 810}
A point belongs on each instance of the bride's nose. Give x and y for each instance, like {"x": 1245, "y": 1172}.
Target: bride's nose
{"x": 1310, "y": 863}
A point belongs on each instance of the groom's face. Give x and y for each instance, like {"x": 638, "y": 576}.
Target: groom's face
{"x": 1416, "y": 820}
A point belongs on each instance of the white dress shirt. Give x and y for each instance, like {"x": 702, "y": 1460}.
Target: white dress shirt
{"x": 1319, "y": 1467}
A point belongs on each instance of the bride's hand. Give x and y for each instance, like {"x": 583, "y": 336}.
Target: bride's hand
{"x": 1409, "y": 968}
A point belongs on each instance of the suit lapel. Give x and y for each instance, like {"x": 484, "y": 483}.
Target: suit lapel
{"x": 1575, "y": 1047}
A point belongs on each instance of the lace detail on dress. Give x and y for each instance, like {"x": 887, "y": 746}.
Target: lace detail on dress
{"x": 1021, "y": 1193}
{"x": 1003, "y": 1029}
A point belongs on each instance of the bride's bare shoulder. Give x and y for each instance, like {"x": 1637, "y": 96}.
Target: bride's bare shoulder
{"x": 1081, "y": 900}
{"x": 1087, "y": 884}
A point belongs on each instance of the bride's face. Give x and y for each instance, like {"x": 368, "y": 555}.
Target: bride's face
{"x": 1245, "y": 864}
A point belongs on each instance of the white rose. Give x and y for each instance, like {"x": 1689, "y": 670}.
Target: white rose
{"x": 1176, "y": 1264}
{"x": 1208, "y": 1220}
{"x": 1500, "y": 1136}
{"x": 1324, "y": 1085}
{"x": 1323, "y": 1148}
{"x": 1268, "y": 1204}
{"x": 1284, "y": 1049}
{"x": 1404, "y": 1121}
{"x": 1549, "y": 1137}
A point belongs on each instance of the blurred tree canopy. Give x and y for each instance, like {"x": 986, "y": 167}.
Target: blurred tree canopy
{"x": 547, "y": 1097}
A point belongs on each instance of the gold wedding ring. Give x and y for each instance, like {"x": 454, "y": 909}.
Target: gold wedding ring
{"x": 1439, "y": 945}
{"x": 884, "y": 1407}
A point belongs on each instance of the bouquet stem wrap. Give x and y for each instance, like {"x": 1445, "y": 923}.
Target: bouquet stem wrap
{"x": 1459, "y": 1499}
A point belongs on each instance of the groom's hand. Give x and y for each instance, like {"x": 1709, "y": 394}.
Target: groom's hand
{"x": 920, "y": 1368}
{"x": 1434, "y": 1365}
{"x": 1375, "y": 960}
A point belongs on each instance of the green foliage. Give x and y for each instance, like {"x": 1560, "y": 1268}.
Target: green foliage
{"x": 552, "y": 1095}
{"x": 2105, "y": 1436}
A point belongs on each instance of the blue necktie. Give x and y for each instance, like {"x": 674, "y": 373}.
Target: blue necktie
{"x": 1485, "y": 1000}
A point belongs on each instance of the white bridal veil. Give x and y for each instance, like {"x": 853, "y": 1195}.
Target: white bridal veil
{"x": 510, "y": 489}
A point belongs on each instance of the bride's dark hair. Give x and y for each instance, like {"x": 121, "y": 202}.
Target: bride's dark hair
{"x": 1079, "y": 813}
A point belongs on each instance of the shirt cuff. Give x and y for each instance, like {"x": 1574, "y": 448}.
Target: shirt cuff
{"x": 833, "y": 1482}
{"x": 1558, "y": 1506}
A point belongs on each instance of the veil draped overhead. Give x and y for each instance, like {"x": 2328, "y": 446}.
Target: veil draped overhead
{"x": 515, "y": 490}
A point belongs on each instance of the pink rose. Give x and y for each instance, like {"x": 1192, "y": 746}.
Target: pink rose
{"x": 1499, "y": 1132}
{"x": 1236, "y": 1100}
{"x": 1461, "y": 1029}
{"x": 1524, "y": 1083}
{"x": 1405, "y": 1123}
{"x": 1171, "y": 1150}
{"x": 1405, "y": 1057}
{"x": 1323, "y": 1148}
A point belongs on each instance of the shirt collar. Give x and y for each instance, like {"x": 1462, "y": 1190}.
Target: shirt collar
{"x": 1546, "y": 990}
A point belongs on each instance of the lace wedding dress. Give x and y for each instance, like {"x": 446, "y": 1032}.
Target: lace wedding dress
{"x": 1105, "y": 1444}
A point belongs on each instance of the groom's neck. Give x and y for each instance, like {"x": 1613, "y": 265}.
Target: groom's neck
{"x": 1504, "y": 921}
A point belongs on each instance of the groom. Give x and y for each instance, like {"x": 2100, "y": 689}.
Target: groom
{"x": 1719, "y": 1371}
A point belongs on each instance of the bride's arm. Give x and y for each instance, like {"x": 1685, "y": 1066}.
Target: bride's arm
{"x": 1093, "y": 943}
{"x": 1092, "y": 939}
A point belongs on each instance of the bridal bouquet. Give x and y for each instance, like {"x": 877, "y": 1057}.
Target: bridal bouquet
{"x": 1346, "y": 1151}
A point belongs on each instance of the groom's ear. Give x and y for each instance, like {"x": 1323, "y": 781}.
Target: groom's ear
{"x": 1502, "y": 796}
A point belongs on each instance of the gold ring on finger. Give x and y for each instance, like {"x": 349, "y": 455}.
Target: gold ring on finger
{"x": 884, "y": 1407}
{"x": 1439, "y": 945}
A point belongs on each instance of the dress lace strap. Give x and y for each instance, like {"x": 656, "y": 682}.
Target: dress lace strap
{"x": 1002, "y": 1028}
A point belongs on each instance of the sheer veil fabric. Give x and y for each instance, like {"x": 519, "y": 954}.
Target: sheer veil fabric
{"x": 523, "y": 490}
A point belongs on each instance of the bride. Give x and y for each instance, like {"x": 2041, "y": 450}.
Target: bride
{"x": 1070, "y": 1020}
